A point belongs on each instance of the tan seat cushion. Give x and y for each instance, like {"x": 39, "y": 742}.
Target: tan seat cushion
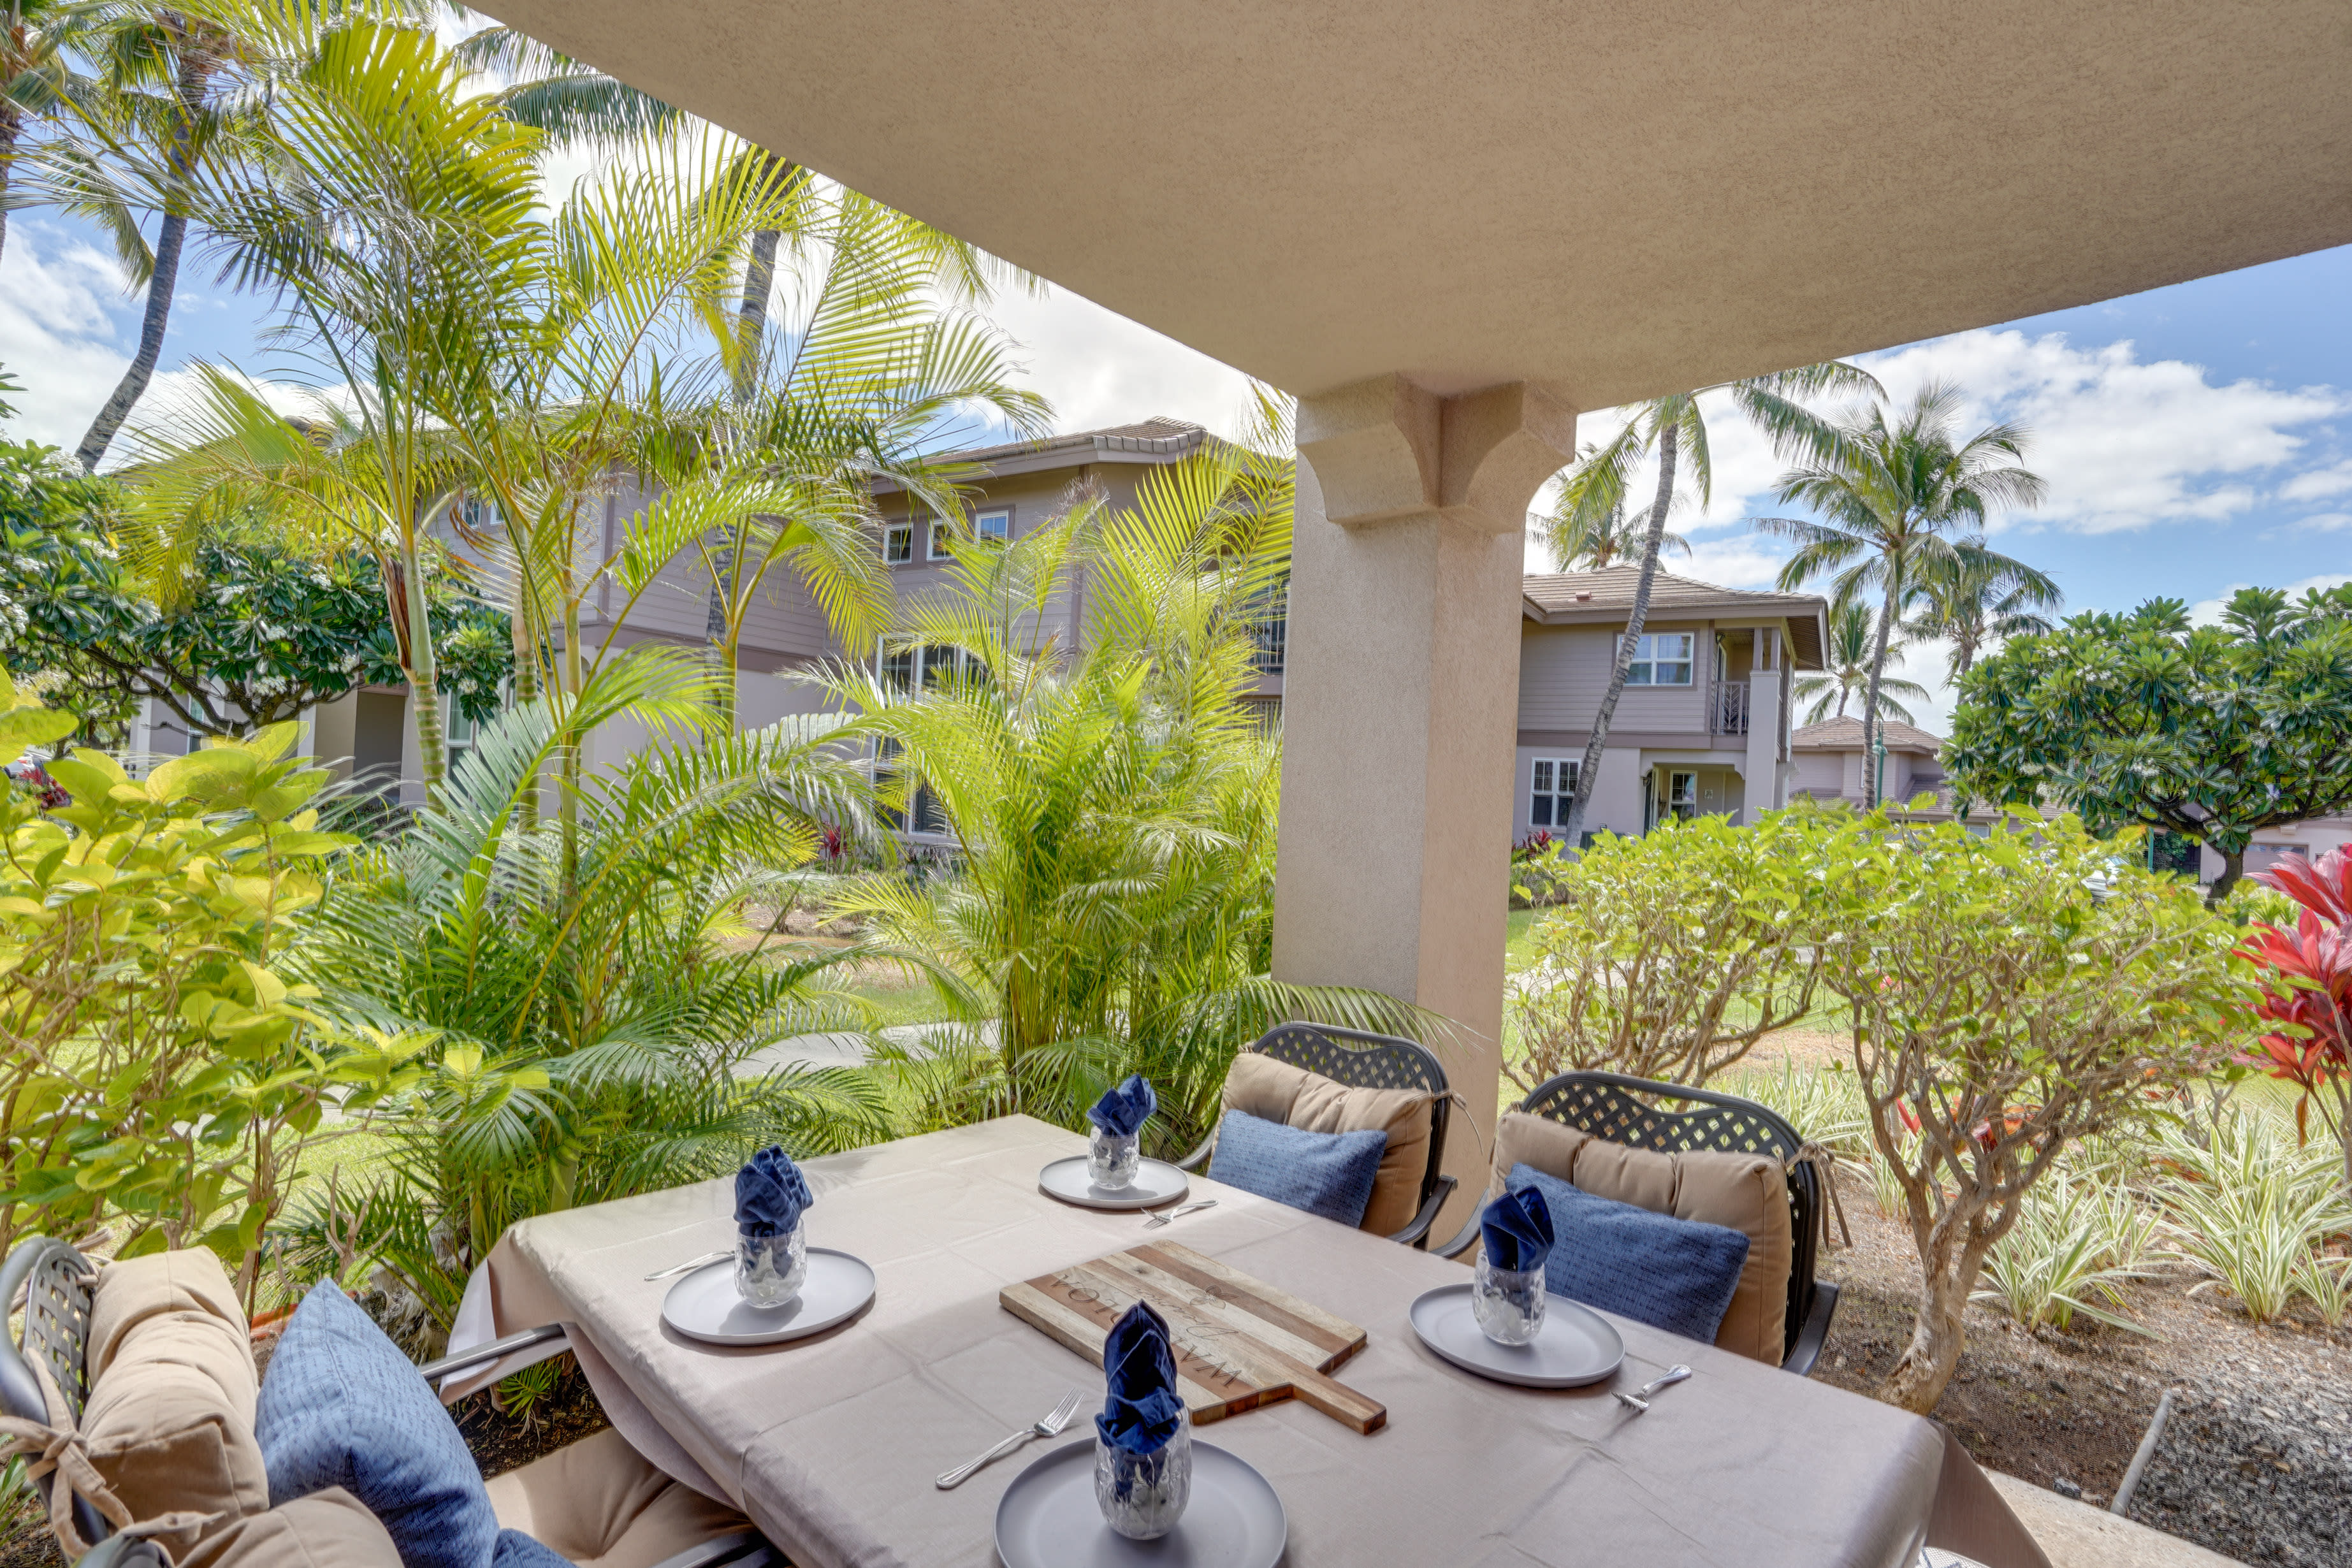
{"x": 1749, "y": 1193}
{"x": 326, "y": 1529}
{"x": 1262, "y": 1087}
{"x": 170, "y": 1417}
{"x": 603, "y": 1505}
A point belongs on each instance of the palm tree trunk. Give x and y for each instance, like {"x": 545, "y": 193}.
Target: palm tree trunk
{"x": 127, "y": 392}
{"x": 11, "y": 124}
{"x": 1574, "y": 830}
{"x": 408, "y": 609}
{"x": 751, "y": 326}
{"x": 1873, "y": 724}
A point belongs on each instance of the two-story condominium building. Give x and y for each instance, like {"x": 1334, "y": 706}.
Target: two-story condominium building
{"x": 1703, "y": 726}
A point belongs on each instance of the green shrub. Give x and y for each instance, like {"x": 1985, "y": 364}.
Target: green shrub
{"x": 1668, "y": 956}
{"x": 2010, "y": 996}
{"x": 164, "y": 1069}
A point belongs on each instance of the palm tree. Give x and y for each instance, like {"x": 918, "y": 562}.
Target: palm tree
{"x": 1888, "y": 491}
{"x": 1849, "y": 670}
{"x": 525, "y": 1048}
{"x": 167, "y": 91}
{"x": 1978, "y": 598}
{"x": 1595, "y": 491}
{"x": 1112, "y": 802}
{"x": 425, "y": 200}
{"x": 34, "y": 37}
{"x": 1585, "y": 544}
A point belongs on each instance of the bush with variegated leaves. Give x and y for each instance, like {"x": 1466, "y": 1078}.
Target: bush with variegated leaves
{"x": 160, "y": 1073}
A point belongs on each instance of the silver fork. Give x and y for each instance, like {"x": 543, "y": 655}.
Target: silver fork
{"x": 1051, "y": 1427}
{"x": 691, "y": 1263}
{"x": 1639, "y": 1400}
{"x": 1153, "y": 1221}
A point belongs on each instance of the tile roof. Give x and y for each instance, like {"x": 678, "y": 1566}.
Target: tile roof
{"x": 1571, "y": 599}
{"x": 1846, "y": 735}
{"x": 1158, "y": 433}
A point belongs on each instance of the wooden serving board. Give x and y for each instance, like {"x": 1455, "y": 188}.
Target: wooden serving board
{"x": 1240, "y": 1342}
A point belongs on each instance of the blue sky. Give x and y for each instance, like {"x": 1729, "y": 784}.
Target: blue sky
{"x": 2196, "y": 438}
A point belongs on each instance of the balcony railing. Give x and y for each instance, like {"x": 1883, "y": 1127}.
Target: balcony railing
{"x": 1272, "y": 638}
{"x": 1727, "y": 709}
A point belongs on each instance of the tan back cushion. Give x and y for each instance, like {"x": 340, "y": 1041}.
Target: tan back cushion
{"x": 1749, "y": 1193}
{"x": 1262, "y": 1087}
{"x": 598, "y": 1504}
{"x": 170, "y": 1417}
{"x": 330, "y": 1528}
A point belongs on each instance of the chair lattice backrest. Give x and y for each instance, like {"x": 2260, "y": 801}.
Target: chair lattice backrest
{"x": 57, "y": 1281}
{"x": 1369, "y": 1061}
{"x": 1627, "y": 1110}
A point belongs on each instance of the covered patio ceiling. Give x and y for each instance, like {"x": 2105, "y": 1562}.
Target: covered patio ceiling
{"x": 1622, "y": 199}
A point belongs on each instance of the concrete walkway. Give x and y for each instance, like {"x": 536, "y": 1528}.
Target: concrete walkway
{"x": 2075, "y": 1535}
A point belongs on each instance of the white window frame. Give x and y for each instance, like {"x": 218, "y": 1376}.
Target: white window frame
{"x": 1559, "y": 773}
{"x": 1649, "y": 654}
{"x": 942, "y": 531}
{"x": 995, "y": 524}
{"x": 898, "y": 543}
{"x": 1672, "y": 803}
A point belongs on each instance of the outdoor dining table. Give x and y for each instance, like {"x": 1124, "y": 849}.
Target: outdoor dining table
{"x": 830, "y": 1443}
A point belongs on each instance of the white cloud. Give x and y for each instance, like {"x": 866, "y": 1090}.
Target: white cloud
{"x": 2318, "y": 484}
{"x": 2123, "y": 444}
{"x": 2324, "y": 522}
{"x": 57, "y": 337}
{"x": 1099, "y": 368}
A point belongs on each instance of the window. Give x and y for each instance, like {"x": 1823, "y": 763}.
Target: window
{"x": 898, "y": 544}
{"x": 1682, "y": 797}
{"x": 942, "y": 530}
{"x": 898, "y": 670}
{"x": 996, "y": 525}
{"x": 458, "y": 734}
{"x": 1661, "y": 659}
{"x": 1554, "y": 786}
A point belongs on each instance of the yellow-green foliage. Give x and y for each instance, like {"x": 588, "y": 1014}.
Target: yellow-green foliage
{"x": 160, "y": 1072}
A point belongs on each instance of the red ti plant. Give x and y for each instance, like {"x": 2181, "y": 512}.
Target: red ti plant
{"x": 2307, "y": 990}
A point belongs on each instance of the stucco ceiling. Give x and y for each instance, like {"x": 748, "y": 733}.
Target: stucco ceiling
{"x": 1626, "y": 198}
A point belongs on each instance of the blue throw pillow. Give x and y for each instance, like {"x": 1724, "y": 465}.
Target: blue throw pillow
{"x": 1673, "y": 1274}
{"x": 1327, "y": 1174}
{"x": 341, "y": 1407}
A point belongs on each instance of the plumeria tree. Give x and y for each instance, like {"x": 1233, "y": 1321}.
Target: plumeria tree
{"x": 2211, "y": 732}
{"x": 2009, "y": 995}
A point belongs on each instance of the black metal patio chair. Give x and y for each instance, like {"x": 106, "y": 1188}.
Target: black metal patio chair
{"x": 1605, "y": 1105}
{"x": 1361, "y": 1060}
{"x": 58, "y": 1283}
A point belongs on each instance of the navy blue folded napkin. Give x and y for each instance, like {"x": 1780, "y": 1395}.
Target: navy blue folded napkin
{"x": 1142, "y": 1412}
{"x": 1517, "y": 1229}
{"x": 1123, "y": 1110}
{"x": 770, "y": 1193}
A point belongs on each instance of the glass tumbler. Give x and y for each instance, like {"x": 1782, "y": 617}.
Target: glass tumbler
{"x": 1507, "y": 1302}
{"x": 769, "y": 1269}
{"x": 1143, "y": 1495}
{"x": 1113, "y": 1158}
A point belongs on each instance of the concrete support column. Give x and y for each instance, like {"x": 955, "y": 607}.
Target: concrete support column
{"x": 1401, "y": 709}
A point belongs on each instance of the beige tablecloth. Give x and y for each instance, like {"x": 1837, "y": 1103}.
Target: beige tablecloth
{"x": 830, "y": 1443}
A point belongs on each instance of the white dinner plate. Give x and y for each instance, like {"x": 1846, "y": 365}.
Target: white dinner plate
{"x": 703, "y": 1305}
{"x": 1577, "y": 1345}
{"x": 1049, "y": 1519}
{"x": 1156, "y": 1182}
